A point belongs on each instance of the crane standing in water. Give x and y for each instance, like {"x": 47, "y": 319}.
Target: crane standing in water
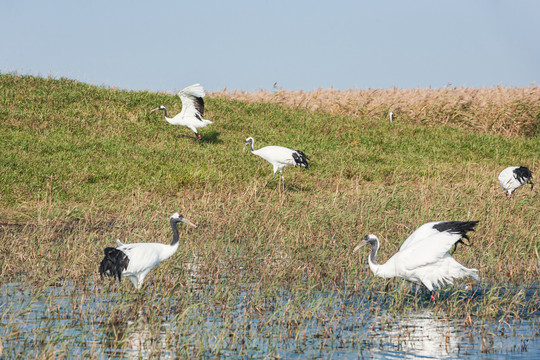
{"x": 424, "y": 256}
{"x": 135, "y": 261}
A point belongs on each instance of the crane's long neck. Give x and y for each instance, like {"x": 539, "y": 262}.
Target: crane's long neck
{"x": 165, "y": 111}
{"x": 175, "y": 235}
{"x": 251, "y": 145}
{"x": 373, "y": 255}
{"x": 385, "y": 270}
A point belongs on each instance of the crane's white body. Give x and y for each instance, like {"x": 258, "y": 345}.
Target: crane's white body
{"x": 279, "y": 157}
{"x": 143, "y": 257}
{"x": 423, "y": 257}
{"x": 192, "y": 109}
{"x": 135, "y": 261}
{"x": 509, "y": 181}
{"x": 191, "y": 123}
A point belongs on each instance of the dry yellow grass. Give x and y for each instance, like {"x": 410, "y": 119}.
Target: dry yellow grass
{"x": 500, "y": 110}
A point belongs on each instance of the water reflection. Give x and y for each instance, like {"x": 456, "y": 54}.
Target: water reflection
{"x": 422, "y": 334}
{"x": 140, "y": 343}
{"x": 136, "y": 339}
{"x": 93, "y": 322}
{"x": 193, "y": 268}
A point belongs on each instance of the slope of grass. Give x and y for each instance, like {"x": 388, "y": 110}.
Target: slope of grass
{"x": 81, "y": 166}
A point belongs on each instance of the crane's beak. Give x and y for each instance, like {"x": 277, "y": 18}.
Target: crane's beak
{"x": 532, "y": 185}
{"x": 187, "y": 222}
{"x": 156, "y": 109}
{"x": 244, "y": 149}
{"x": 362, "y": 243}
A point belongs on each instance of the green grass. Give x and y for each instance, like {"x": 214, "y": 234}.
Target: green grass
{"x": 83, "y": 165}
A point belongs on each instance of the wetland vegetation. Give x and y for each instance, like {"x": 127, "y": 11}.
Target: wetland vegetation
{"x": 266, "y": 273}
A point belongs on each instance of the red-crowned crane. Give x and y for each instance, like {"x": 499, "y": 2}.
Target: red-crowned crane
{"x": 513, "y": 177}
{"x": 424, "y": 257}
{"x": 134, "y": 261}
{"x": 192, "y": 109}
{"x": 279, "y": 157}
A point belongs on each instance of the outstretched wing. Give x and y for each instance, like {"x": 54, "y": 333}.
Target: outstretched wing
{"x": 433, "y": 229}
{"x": 432, "y": 241}
{"x": 192, "y": 101}
{"x": 423, "y": 232}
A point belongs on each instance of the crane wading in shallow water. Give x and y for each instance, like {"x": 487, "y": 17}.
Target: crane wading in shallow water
{"x": 192, "y": 110}
{"x": 424, "y": 256}
{"x": 134, "y": 261}
{"x": 513, "y": 177}
{"x": 279, "y": 157}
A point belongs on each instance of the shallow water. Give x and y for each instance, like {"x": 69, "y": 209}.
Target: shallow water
{"x": 79, "y": 322}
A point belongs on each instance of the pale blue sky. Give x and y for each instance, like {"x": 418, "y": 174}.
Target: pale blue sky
{"x": 166, "y": 45}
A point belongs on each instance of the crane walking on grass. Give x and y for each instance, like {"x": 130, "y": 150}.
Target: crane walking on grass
{"x": 513, "y": 177}
{"x": 424, "y": 256}
{"x": 279, "y": 157}
{"x": 134, "y": 261}
{"x": 192, "y": 109}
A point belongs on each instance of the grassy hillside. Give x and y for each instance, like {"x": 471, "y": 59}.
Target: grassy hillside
{"x": 81, "y": 166}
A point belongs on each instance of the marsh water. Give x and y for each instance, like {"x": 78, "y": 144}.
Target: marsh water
{"x": 86, "y": 321}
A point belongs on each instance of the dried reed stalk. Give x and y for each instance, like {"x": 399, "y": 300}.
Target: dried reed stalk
{"x": 499, "y": 110}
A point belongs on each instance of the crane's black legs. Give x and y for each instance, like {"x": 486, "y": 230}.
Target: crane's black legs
{"x": 279, "y": 182}
{"x": 273, "y": 178}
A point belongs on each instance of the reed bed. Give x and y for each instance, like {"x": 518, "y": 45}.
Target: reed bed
{"x": 508, "y": 111}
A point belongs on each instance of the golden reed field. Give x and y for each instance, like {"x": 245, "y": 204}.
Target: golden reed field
{"x": 499, "y": 110}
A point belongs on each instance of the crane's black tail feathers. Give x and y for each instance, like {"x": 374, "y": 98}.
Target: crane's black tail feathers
{"x": 300, "y": 159}
{"x": 523, "y": 175}
{"x": 457, "y": 227}
{"x": 114, "y": 262}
